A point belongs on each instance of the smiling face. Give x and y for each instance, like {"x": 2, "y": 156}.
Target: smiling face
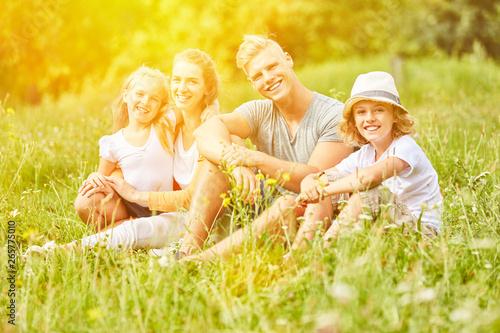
{"x": 143, "y": 99}
{"x": 270, "y": 73}
{"x": 374, "y": 121}
{"x": 188, "y": 86}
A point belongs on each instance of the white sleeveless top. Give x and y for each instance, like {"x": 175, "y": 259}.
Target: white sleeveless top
{"x": 185, "y": 162}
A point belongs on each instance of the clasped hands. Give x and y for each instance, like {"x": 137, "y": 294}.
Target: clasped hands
{"x": 237, "y": 155}
{"x": 108, "y": 185}
{"x": 312, "y": 189}
{"x": 239, "y": 161}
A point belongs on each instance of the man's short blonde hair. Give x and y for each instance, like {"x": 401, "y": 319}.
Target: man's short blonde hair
{"x": 251, "y": 46}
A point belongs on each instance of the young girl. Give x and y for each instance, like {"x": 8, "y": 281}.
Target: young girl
{"x": 141, "y": 147}
{"x": 390, "y": 168}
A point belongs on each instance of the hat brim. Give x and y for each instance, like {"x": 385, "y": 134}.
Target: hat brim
{"x": 353, "y": 100}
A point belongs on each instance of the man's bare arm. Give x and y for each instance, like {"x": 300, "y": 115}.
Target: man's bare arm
{"x": 214, "y": 136}
{"x": 324, "y": 156}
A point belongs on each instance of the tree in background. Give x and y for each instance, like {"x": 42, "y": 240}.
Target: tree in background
{"x": 54, "y": 46}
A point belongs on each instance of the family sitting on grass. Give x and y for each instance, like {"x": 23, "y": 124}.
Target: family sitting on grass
{"x": 304, "y": 140}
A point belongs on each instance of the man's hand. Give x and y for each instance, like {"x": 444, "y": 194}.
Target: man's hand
{"x": 240, "y": 156}
{"x": 247, "y": 183}
{"x": 208, "y": 113}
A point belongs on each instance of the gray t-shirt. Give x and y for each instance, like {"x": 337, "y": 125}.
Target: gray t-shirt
{"x": 270, "y": 133}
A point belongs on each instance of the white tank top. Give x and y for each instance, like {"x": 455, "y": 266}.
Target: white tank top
{"x": 185, "y": 162}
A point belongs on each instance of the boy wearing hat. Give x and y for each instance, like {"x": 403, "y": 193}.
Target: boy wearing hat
{"x": 390, "y": 168}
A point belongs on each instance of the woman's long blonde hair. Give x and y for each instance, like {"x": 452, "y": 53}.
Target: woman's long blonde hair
{"x": 210, "y": 76}
{"x": 207, "y": 66}
{"x": 162, "y": 124}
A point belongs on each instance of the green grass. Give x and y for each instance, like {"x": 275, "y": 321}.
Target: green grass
{"x": 370, "y": 280}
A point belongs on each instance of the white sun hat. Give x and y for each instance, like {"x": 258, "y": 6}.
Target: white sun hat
{"x": 373, "y": 86}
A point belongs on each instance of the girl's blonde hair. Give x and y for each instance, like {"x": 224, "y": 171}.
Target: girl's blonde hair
{"x": 403, "y": 125}
{"x": 163, "y": 126}
{"x": 207, "y": 65}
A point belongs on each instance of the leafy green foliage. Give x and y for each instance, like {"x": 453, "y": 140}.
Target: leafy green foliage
{"x": 52, "y": 47}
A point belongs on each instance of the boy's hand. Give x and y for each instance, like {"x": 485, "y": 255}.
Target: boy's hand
{"x": 312, "y": 190}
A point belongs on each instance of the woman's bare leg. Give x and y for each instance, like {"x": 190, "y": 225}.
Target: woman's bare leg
{"x": 206, "y": 206}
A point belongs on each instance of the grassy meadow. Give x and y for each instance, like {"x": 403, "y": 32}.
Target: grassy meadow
{"x": 371, "y": 280}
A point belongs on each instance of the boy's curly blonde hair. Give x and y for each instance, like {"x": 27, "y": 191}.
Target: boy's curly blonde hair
{"x": 403, "y": 125}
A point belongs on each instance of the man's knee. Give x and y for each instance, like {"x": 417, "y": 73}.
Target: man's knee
{"x": 285, "y": 204}
{"x": 286, "y": 201}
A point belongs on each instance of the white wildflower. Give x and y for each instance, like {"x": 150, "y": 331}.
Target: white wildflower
{"x": 460, "y": 315}
{"x": 426, "y": 295}
{"x": 14, "y": 213}
{"x": 163, "y": 261}
{"x": 281, "y": 321}
{"x": 365, "y": 217}
{"x": 342, "y": 292}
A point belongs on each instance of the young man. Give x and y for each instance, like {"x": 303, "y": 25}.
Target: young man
{"x": 294, "y": 130}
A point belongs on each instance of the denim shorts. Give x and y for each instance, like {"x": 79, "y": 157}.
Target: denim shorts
{"x": 136, "y": 210}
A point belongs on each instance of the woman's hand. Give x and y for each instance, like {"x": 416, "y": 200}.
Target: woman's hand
{"x": 124, "y": 189}
{"x": 88, "y": 191}
{"x": 97, "y": 179}
{"x": 127, "y": 191}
